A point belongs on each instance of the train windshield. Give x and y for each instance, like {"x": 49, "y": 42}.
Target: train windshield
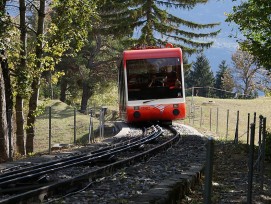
{"x": 155, "y": 78}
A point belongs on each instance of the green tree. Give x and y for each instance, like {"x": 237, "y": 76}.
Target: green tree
{"x": 155, "y": 24}
{"x": 254, "y": 20}
{"x": 248, "y": 73}
{"x": 223, "y": 82}
{"x": 6, "y": 96}
{"x": 228, "y": 84}
{"x": 201, "y": 76}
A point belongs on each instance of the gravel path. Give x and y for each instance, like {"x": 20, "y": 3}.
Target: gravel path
{"x": 131, "y": 182}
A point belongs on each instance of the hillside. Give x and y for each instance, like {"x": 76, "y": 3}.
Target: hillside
{"x": 216, "y": 111}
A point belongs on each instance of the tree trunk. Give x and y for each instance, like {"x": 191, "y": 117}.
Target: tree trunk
{"x": 87, "y": 92}
{"x": 31, "y": 118}
{"x": 3, "y": 119}
{"x": 20, "y": 134}
{"x": 33, "y": 102}
{"x": 63, "y": 88}
{"x": 9, "y": 105}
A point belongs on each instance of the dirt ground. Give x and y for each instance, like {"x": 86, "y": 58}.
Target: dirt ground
{"x": 230, "y": 178}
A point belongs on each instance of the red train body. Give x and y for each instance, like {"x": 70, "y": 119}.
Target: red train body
{"x": 151, "y": 85}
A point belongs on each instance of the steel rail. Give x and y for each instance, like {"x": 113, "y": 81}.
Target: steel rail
{"x": 68, "y": 184}
{"x": 89, "y": 158}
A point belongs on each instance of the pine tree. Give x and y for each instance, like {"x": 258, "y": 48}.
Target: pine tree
{"x": 201, "y": 77}
{"x": 155, "y": 25}
{"x": 219, "y": 82}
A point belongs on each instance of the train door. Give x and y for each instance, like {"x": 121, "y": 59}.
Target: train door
{"x": 122, "y": 92}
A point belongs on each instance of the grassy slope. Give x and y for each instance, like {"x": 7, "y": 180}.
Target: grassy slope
{"x": 210, "y": 106}
{"x": 63, "y": 119}
{"x": 62, "y": 129}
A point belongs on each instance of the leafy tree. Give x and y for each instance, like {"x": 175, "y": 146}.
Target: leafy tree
{"x": 253, "y": 18}
{"x": 201, "y": 76}
{"x": 223, "y": 82}
{"x": 96, "y": 59}
{"x": 156, "y": 25}
{"x": 6, "y": 96}
{"x": 228, "y": 84}
{"x": 247, "y": 73}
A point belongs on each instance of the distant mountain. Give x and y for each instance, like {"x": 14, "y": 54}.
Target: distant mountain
{"x": 211, "y": 12}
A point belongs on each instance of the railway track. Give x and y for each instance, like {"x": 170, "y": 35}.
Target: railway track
{"x": 30, "y": 183}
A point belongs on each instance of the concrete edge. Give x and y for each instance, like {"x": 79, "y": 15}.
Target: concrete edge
{"x": 172, "y": 190}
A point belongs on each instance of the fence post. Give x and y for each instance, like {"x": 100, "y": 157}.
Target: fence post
{"x": 74, "y": 127}
{"x": 200, "y": 116}
{"x": 248, "y": 122}
{"x": 216, "y": 120}
{"x": 263, "y": 155}
{"x": 90, "y": 129}
{"x": 250, "y": 163}
{"x": 260, "y": 130}
{"x": 209, "y": 171}
{"x": 102, "y": 114}
{"x": 50, "y": 129}
{"x": 227, "y": 128}
{"x": 194, "y": 115}
{"x": 237, "y": 129}
{"x": 189, "y": 118}
{"x": 260, "y": 143}
{"x": 254, "y": 118}
{"x": 210, "y": 119}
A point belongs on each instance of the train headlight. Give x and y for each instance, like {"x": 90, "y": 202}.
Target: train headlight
{"x": 137, "y": 114}
{"x": 176, "y": 112}
{"x": 136, "y": 107}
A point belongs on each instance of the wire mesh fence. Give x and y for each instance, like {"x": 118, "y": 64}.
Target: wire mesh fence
{"x": 223, "y": 122}
{"x": 58, "y": 126}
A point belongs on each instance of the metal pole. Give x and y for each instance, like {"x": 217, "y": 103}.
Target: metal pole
{"x": 200, "y": 116}
{"x": 50, "y": 128}
{"x": 74, "y": 125}
{"x": 254, "y": 118}
{"x": 194, "y": 115}
{"x": 100, "y": 122}
{"x": 209, "y": 171}
{"x": 260, "y": 130}
{"x": 248, "y": 122}
{"x": 260, "y": 142}
{"x": 210, "y": 119}
{"x": 250, "y": 164}
{"x": 192, "y": 100}
{"x": 237, "y": 129}
{"x": 227, "y": 127}
{"x": 90, "y": 126}
{"x": 263, "y": 155}
{"x": 216, "y": 120}
{"x": 189, "y": 114}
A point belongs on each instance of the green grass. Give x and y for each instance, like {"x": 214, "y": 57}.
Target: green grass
{"x": 215, "y": 110}
{"x": 62, "y": 125}
{"x": 63, "y": 120}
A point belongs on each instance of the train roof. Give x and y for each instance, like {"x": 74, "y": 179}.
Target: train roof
{"x": 152, "y": 53}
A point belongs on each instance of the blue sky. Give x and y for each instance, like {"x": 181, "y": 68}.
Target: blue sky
{"x": 212, "y": 12}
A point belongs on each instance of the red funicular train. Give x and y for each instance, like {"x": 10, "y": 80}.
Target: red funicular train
{"x": 151, "y": 85}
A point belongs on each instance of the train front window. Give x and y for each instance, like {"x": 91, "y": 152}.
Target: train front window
{"x": 155, "y": 78}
